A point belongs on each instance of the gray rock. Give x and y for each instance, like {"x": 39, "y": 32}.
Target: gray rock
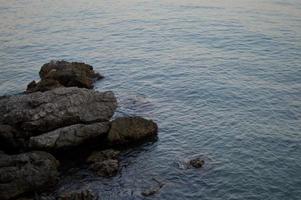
{"x": 42, "y": 112}
{"x": 127, "y": 130}
{"x": 26, "y": 172}
{"x": 69, "y": 136}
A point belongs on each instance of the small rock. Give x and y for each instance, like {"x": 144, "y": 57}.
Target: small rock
{"x": 153, "y": 190}
{"x": 99, "y": 156}
{"x": 127, "y": 130}
{"x": 197, "y": 162}
{"x": 80, "y": 194}
{"x": 104, "y": 163}
{"x": 106, "y": 168}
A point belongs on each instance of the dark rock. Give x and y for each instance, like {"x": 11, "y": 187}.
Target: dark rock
{"x": 43, "y": 85}
{"x": 197, "y": 162}
{"x": 26, "y": 172}
{"x": 106, "y": 168}
{"x": 69, "y": 136}
{"x": 68, "y": 74}
{"x": 127, "y": 130}
{"x": 99, "y": 156}
{"x": 104, "y": 163}
{"x": 77, "y": 194}
{"x": 10, "y": 138}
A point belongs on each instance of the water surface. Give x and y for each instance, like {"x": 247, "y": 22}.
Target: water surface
{"x": 222, "y": 78}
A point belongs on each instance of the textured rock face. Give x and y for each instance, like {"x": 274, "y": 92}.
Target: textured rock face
{"x": 78, "y": 114}
{"x": 127, "y": 130}
{"x": 69, "y": 136}
{"x": 61, "y": 73}
{"x": 104, "y": 163}
{"x": 42, "y": 112}
{"x": 26, "y": 172}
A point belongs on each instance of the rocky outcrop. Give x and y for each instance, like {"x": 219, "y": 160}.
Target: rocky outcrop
{"x": 64, "y": 74}
{"x": 29, "y": 115}
{"x": 104, "y": 163}
{"x": 26, "y": 172}
{"x": 128, "y": 130}
{"x": 69, "y": 136}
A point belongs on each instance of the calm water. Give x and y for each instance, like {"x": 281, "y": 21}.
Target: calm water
{"x": 221, "y": 77}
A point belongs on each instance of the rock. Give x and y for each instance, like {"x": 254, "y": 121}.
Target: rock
{"x": 27, "y": 172}
{"x": 153, "y": 190}
{"x": 10, "y": 138}
{"x": 43, "y": 85}
{"x": 41, "y": 112}
{"x": 68, "y": 74}
{"x": 99, "y": 156}
{"x": 197, "y": 162}
{"x": 127, "y": 130}
{"x": 77, "y": 194}
{"x": 69, "y": 136}
{"x": 106, "y": 168}
{"x": 104, "y": 163}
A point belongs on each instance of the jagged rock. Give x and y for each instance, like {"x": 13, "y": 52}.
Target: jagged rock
{"x": 29, "y": 115}
{"x": 69, "y": 136}
{"x": 104, "y": 163}
{"x": 62, "y": 73}
{"x": 127, "y": 130}
{"x": 26, "y": 172}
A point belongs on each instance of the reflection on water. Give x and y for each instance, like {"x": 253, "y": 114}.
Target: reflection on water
{"x": 222, "y": 78}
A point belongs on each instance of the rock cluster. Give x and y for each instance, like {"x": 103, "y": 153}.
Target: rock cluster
{"x": 61, "y": 112}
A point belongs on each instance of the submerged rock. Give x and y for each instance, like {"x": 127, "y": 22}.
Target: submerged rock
{"x": 79, "y": 194}
{"x": 26, "y": 172}
{"x": 197, "y": 162}
{"x": 62, "y": 73}
{"x": 127, "y": 130}
{"x": 104, "y": 163}
{"x": 69, "y": 136}
{"x": 153, "y": 190}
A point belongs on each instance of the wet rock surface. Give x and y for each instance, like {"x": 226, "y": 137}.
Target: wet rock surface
{"x": 26, "y": 172}
{"x": 104, "y": 163}
{"x": 197, "y": 162}
{"x": 129, "y": 130}
{"x": 78, "y": 194}
{"x": 64, "y": 74}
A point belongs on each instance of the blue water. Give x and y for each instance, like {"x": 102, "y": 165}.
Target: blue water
{"x": 222, "y": 78}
